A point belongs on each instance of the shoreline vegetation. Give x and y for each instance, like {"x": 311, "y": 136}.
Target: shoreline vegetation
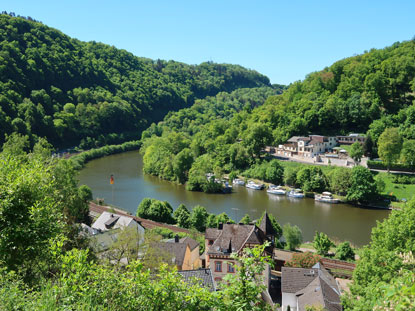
{"x": 80, "y": 159}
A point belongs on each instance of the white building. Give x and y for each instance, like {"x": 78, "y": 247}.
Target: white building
{"x": 108, "y": 225}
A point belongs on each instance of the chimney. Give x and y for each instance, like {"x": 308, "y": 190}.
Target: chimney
{"x": 220, "y": 227}
{"x": 176, "y": 238}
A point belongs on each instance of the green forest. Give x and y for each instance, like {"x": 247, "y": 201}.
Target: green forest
{"x": 91, "y": 94}
{"x": 372, "y": 93}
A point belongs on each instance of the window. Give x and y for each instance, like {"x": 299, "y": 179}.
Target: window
{"x": 231, "y": 269}
{"x": 218, "y": 266}
{"x": 210, "y": 242}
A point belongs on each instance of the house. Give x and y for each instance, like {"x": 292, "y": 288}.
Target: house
{"x": 351, "y": 139}
{"x": 229, "y": 238}
{"x": 201, "y": 277}
{"x": 105, "y": 229}
{"x": 183, "y": 252}
{"x": 307, "y": 147}
{"x": 309, "y": 287}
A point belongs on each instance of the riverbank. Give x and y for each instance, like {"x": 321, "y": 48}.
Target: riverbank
{"x": 80, "y": 159}
{"x": 377, "y": 205}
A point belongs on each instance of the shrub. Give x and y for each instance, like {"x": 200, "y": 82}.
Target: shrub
{"x": 303, "y": 260}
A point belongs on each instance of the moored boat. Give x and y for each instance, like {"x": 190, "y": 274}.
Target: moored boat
{"x": 276, "y": 190}
{"x": 238, "y": 182}
{"x": 326, "y": 197}
{"x": 253, "y": 185}
{"x": 296, "y": 193}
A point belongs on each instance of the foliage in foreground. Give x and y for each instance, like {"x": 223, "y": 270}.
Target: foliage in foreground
{"x": 382, "y": 263}
{"x": 82, "y": 284}
{"x": 39, "y": 203}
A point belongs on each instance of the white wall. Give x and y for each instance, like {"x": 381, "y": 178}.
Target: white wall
{"x": 289, "y": 299}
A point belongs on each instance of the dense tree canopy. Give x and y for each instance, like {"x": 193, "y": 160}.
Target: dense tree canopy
{"x": 70, "y": 91}
{"x": 39, "y": 204}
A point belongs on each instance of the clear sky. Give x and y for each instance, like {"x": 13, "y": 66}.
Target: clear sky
{"x": 284, "y": 40}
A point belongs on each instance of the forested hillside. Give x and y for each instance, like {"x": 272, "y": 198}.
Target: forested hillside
{"x": 70, "y": 91}
{"x": 371, "y": 91}
{"x": 366, "y": 93}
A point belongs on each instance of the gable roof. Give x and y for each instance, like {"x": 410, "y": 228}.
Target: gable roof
{"x": 314, "y": 286}
{"x": 189, "y": 241}
{"x": 177, "y": 250}
{"x": 202, "y": 277}
{"x": 212, "y": 233}
{"x": 186, "y": 240}
{"x": 266, "y": 225}
{"x": 95, "y": 210}
{"x": 295, "y": 279}
{"x": 233, "y": 237}
{"x": 107, "y": 221}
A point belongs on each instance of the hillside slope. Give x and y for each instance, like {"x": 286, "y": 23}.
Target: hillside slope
{"x": 70, "y": 91}
{"x": 364, "y": 93}
{"x": 371, "y": 91}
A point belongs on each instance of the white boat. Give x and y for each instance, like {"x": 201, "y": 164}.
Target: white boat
{"x": 238, "y": 182}
{"x": 255, "y": 186}
{"x": 326, "y": 197}
{"x": 276, "y": 190}
{"x": 296, "y": 193}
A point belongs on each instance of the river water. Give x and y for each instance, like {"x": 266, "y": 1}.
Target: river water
{"x": 338, "y": 221}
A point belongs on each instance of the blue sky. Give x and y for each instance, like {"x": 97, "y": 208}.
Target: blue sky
{"x": 284, "y": 40}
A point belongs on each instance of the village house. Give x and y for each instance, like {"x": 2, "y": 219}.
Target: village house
{"x": 309, "y": 287}
{"x": 201, "y": 277}
{"x": 307, "y": 147}
{"x": 105, "y": 229}
{"x": 184, "y": 252}
{"x": 351, "y": 139}
{"x": 229, "y": 238}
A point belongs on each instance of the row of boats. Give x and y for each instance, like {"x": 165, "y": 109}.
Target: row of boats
{"x": 326, "y": 197}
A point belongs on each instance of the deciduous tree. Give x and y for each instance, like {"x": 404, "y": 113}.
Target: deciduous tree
{"x": 389, "y": 146}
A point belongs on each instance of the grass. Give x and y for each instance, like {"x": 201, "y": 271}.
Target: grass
{"x": 398, "y": 190}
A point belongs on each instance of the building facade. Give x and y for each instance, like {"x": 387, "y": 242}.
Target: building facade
{"x": 221, "y": 242}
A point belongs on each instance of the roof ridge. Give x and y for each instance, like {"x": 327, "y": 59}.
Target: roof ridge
{"x": 248, "y": 236}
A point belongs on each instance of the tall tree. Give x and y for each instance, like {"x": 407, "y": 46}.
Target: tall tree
{"x": 322, "y": 243}
{"x": 389, "y": 146}
{"x": 363, "y": 186}
{"x": 198, "y": 218}
{"x": 293, "y": 236}
{"x": 356, "y": 152}
{"x": 182, "y": 216}
{"x": 408, "y": 152}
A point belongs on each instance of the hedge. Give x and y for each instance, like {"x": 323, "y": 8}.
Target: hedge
{"x": 395, "y": 167}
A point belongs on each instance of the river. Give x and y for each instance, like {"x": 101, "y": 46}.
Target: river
{"x": 338, "y": 221}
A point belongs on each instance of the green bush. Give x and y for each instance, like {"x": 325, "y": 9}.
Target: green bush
{"x": 271, "y": 171}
